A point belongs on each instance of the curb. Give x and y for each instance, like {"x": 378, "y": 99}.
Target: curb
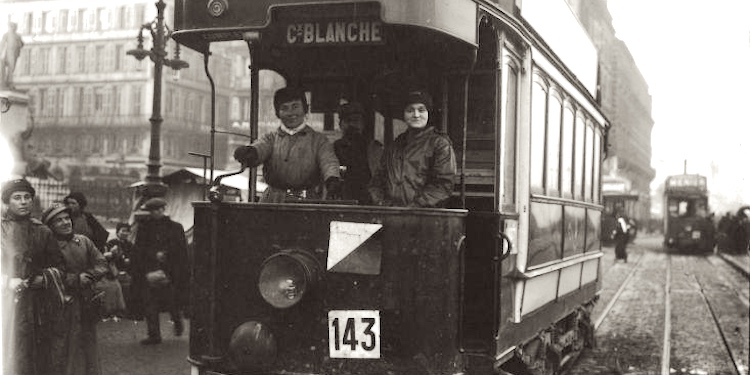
{"x": 743, "y": 268}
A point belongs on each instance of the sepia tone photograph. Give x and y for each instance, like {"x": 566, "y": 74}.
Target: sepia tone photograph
{"x": 375, "y": 187}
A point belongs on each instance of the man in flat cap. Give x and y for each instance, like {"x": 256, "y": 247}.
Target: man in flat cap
{"x": 159, "y": 265}
{"x": 75, "y": 343}
{"x": 32, "y": 267}
{"x": 357, "y": 156}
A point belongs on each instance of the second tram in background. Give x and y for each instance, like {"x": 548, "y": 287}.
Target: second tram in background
{"x": 688, "y": 223}
{"x": 501, "y": 280}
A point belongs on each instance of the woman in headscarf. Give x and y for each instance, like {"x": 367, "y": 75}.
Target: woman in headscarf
{"x": 84, "y": 266}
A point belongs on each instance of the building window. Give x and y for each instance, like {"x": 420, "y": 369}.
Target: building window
{"x": 62, "y": 60}
{"x": 81, "y": 53}
{"x": 99, "y": 101}
{"x": 99, "y": 59}
{"x": 137, "y": 100}
{"x": 118, "y": 56}
{"x": 73, "y": 21}
{"x": 116, "y": 97}
{"x": 63, "y": 20}
{"x": 44, "y": 60}
{"x": 140, "y": 14}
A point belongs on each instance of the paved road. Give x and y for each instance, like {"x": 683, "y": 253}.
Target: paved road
{"x": 122, "y": 354}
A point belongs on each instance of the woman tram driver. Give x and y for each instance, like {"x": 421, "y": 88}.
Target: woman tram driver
{"x": 417, "y": 169}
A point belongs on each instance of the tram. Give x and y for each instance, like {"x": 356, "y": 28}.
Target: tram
{"x": 688, "y": 225}
{"x": 501, "y": 281}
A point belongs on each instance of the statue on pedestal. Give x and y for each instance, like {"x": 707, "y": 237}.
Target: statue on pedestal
{"x": 10, "y": 49}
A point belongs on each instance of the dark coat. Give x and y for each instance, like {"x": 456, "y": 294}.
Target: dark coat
{"x": 154, "y": 236}
{"x": 28, "y": 248}
{"x": 416, "y": 170}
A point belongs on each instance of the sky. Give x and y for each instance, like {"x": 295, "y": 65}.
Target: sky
{"x": 695, "y": 57}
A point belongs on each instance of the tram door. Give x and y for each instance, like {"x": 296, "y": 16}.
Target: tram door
{"x": 489, "y": 172}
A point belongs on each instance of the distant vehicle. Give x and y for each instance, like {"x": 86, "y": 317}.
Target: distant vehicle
{"x": 687, "y": 223}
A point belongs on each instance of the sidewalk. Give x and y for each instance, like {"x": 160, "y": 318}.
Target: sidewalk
{"x": 739, "y": 261}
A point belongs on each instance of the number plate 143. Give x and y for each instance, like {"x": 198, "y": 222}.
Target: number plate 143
{"x": 354, "y": 334}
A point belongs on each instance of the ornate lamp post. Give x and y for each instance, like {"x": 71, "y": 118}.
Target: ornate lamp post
{"x": 160, "y": 34}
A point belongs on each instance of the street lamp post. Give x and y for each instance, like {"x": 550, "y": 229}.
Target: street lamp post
{"x": 160, "y": 34}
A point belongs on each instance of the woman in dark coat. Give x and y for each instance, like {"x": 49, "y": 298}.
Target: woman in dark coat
{"x": 32, "y": 292}
{"x": 417, "y": 169}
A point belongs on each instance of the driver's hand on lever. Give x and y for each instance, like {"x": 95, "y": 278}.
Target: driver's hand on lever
{"x": 246, "y": 155}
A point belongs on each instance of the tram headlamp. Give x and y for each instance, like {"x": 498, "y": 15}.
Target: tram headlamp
{"x": 252, "y": 346}
{"x": 286, "y": 277}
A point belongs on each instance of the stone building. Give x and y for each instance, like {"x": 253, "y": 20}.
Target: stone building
{"x": 91, "y": 103}
{"x": 625, "y": 100}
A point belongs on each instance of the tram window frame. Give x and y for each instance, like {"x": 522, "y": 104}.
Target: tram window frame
{"x": 589, "y": 160}
{"x": 510, "y": 86}
{"x": 552, "y": 144}
{"x": 597, "y": 166}
{"x": 566, "y": 169}
{"x": 538, "y": 123}
{"x": 579, "y": 157}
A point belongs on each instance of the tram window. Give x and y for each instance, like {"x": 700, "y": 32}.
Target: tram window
{"x": 567, "y": 153}
{"x": 508, "y": 194}
{"x": 597, "y": 168}
{"x": 538, "y": 120}
{"x": 553, "y": 144}
{"x": 578, "y": 161}
{"x": 589, "y": 182}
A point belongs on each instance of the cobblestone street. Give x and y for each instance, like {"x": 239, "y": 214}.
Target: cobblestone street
{"x": 122, "y": 354}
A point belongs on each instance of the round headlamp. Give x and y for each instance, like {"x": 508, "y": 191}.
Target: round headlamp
{"x": 286, "y": 277}
{"x": 252, "y": 346}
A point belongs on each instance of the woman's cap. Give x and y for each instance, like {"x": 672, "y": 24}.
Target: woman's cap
{"x": 13, "y": 186}
{"x": 419, "y": 97}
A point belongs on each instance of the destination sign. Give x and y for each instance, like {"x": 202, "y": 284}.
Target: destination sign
{"x": 334, "y": 33}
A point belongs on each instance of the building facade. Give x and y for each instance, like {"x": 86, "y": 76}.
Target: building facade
{"x": 625, "y": 100}
{"x": 91, "y": 103}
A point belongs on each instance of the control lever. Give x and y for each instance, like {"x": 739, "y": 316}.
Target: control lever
{"x": 214, "y": 193}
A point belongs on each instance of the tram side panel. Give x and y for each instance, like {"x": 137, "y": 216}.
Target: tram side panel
{"x": 404, "y": 275}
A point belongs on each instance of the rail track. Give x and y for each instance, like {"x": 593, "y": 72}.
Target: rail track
{"x": 704, "y": 330}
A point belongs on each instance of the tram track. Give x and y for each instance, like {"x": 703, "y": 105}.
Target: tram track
{"x": 717, "y": 293}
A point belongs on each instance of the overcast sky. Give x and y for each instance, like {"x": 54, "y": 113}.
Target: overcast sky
{"x": 695, "y": 56}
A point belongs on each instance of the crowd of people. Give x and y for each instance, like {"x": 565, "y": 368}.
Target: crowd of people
{"x": 60, "y": 277}
{"x": 733, "y": 231}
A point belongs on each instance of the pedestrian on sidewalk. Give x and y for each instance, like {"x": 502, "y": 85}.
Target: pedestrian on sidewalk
{"x": 160, "y": 269}
{"x": 84, "y": 222}
{"x": 31, "y": 290}
{"x": 75, "y": 328}
{"x": 621, "y": 238}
